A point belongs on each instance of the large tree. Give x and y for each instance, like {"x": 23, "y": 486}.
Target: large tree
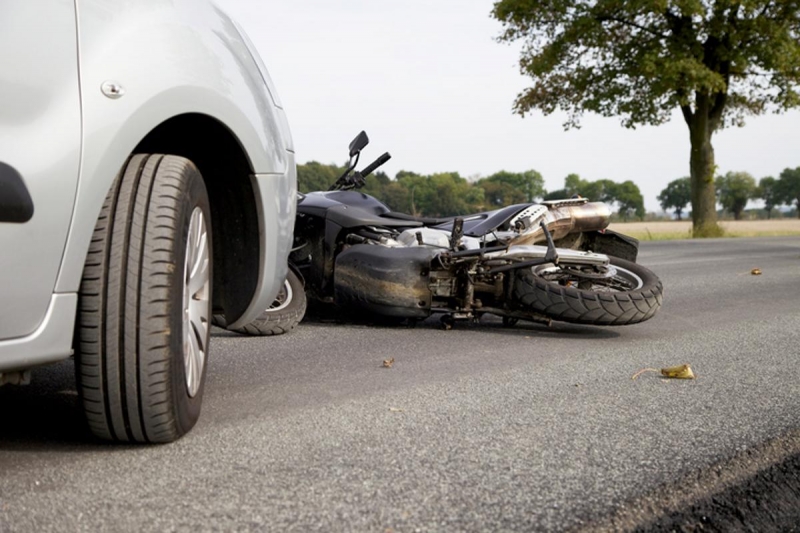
{"x": 789, "y": 187}
{"x": 735, "y": 189}
{"x": 769, "y": 192}
{"x": 676, "y": 195}
{"x": 715, "y": 60}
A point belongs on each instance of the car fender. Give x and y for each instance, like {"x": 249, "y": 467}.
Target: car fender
{"x": 144, "y": 62}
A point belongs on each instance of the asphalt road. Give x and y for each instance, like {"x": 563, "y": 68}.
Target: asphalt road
{"x": 479, "y": 428}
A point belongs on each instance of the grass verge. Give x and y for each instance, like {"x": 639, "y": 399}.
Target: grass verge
{"x": 677, "y": 230}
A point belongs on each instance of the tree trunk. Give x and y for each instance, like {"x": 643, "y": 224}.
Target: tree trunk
{"x": 704, "y": 199}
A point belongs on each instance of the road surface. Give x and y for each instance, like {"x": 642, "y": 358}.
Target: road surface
{"x": 479, "y": 428}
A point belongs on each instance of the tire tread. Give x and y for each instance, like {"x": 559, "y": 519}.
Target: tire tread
{"x": 578, "y": 306}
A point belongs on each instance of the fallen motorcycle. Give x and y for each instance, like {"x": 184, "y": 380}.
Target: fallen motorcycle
{"x": 552, "y": 260}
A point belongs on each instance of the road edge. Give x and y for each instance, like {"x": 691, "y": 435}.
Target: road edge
{"x": 698, "y": 498}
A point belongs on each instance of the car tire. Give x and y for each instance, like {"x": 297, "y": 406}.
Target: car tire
{"x": 145, "y": 303}
{"x": 282, "y": 316}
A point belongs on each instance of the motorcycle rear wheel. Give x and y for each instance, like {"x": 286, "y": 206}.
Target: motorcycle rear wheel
{"x": 634, "y": 294}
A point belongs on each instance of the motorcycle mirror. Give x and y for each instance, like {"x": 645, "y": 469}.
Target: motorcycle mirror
{"x": 359, "y": 143}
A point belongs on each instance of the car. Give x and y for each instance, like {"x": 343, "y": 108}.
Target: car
{"x": 147, "y": 183}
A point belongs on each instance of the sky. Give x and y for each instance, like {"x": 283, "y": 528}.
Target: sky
{"x": 429, "y": 83}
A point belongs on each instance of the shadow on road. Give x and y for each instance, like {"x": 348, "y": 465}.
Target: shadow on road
{"x": 45, "y": 415}
{"x": 488, "y": 324}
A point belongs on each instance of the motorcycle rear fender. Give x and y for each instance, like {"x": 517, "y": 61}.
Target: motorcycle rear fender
{"x": 611, "y": 243}
{"x": 387, "y": 281}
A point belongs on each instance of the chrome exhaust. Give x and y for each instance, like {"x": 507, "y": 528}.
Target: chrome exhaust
{"x": 561, "y": 217}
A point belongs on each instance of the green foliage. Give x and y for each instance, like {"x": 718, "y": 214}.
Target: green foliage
{"x": 789, "y": 187}
{"x": 769, "y": 192}
{"x": 315, "y": 176}
{"x": 506, "y": 188}
{"x": 676, "y": 195}
{"x": 734, "y": 190}
{"x": 630, "y": 202}
{"x": 642, "y": 59}
{"x": 627, "y": 196}
{"x": 715, "y": 60}
{"x": 442, "y": 194}
{"x": 558, "y": 194}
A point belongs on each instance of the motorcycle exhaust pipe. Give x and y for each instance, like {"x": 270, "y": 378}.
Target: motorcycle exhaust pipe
{"x": 562, "y": 217}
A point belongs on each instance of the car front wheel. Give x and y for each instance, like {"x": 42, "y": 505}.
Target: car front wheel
{"x": 145, "y": 304}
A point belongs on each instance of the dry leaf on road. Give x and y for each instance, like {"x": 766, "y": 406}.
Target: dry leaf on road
{"x": 387, "y": 363}
{"x": 672, "y": 372}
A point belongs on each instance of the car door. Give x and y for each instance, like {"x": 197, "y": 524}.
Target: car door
{"x": 40, "y": 151}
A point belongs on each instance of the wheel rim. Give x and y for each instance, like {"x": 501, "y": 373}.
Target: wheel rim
{"x": 195, "y": 302}
{"x": 615, "y": 279}
{"x": 284, "y": 297}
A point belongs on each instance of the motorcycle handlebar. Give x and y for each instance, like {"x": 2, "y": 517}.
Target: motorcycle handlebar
{"x": 375, "y": 164}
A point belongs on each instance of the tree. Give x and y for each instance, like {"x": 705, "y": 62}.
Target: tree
{"x": 789, "y": 187}
{"x": 769, "y": 192}
{"x": 735, "y": 189}
{"x": 677, "y": 194}
{"x": 595, "y": 191}
{"x": 715, "y": 60}
{"x": 626, "y": 195}
{"x": 506, "y": 188}
{"x": 629, "y": 199}
{"x": 558, "y": 194}
{"x": 315, "y": 176}
{"x": 443, "y": 194}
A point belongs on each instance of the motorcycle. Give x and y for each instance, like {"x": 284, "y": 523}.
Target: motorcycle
{"x": 552, "y": 260}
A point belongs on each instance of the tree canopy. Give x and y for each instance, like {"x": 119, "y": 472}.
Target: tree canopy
{"x": 676, "y": 195}
{"x": 505, "y": 188}
{"x": 715, "y": 60}
{"x": 735, "y": 189}
{"x": 789, "y": 187}
{"x": 448, "y": 194}
{"x": 626, "y": 196}
{"x": 768, "y": 191}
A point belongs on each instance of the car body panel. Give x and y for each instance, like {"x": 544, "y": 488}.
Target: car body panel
{"x": 167, "y": 67}
{"x": 50, "y": 342}
{"x": 167, "y": 58}
{"x": 40, "y": 136}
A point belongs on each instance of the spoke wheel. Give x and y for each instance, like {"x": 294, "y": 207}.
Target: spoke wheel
{"x": 623, "y": 293}
{"x": 195, "y": 302}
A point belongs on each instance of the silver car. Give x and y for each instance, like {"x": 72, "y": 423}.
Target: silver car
{"x": 147, "y": 180}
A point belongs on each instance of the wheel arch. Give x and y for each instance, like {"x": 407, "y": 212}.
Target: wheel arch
{"x": 226, "y": 171}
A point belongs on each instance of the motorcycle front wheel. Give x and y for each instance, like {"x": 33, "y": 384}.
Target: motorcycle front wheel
{"x": 281, "y": 317}
{"x": 627, "y": 294}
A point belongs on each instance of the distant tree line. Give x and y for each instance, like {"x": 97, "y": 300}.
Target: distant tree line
{"x": 448, "y": 193}
{"x": 735, "y": 189}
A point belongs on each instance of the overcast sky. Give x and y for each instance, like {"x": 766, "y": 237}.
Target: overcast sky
{"x": 430, "y": 84}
